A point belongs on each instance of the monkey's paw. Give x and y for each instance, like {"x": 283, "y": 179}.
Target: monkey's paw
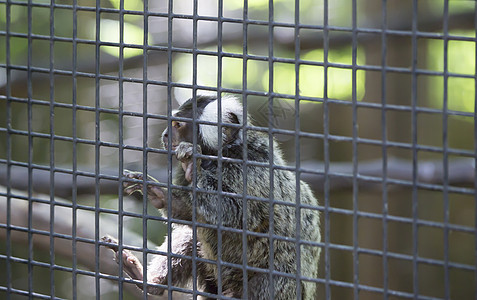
{"x": 184, "y": 152}
{"x": 131, "y": 264}
{"x": 155, "y": 194}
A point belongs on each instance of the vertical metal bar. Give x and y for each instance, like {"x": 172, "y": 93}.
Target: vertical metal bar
{"x": 195, "y": 134}
{"x": 445, "y": 145}
{"x": 97, "y": 146}
{"x": 297, "y": 152}
{"x": 145, "y": 145}
{"x": 355, "y": 153}
{"x": 52, "y": 150}
{"x": 121, "y": 147}
{"x": 245, "y": 150}
{"x": 414, "y": 116}
{"x": 169, "y": 142}
{"x": 270, "y": 147}
{"x": 326, "y": 152}
{"x": 475, "y": 157}
{"x": 75, "y": 152}
{"x": 8, "y": 145}
{"x": 219, "y": 152}
{"x": 30, "y": 152}
{"x": 475, "y": 151}
{"x": 384, "y": 148}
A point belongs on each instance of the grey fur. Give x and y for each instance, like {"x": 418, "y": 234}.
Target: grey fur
{"x": 283, "y": 225}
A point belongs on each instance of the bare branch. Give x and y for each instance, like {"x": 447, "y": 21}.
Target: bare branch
{"x": 399, "y": 173}
{"x": 86, "y": 243}
{"x": 370, "y": 174}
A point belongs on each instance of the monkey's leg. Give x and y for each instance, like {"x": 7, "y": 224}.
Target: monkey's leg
{"x": 155, "y": 194}
{"x": 157, "y": 273}
{"x": 259, "y": 287}
{"x": 131, "y": 265}
{"x": 180, "y": 258}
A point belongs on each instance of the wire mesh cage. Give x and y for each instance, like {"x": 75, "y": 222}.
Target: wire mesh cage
{"x": 367, "y": 106}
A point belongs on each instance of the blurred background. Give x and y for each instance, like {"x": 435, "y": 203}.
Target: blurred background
{"x": 79, "y": 70}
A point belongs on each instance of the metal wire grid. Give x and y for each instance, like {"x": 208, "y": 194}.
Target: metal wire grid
{"x": 326, "y": 280}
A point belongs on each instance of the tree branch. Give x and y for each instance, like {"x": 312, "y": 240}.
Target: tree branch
{"x": 370, "y": 174}
{"x": 399, "y": 174}
{"x": 63, "y": 226}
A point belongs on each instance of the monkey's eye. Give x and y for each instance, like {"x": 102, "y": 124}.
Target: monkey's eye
{"x": 177, "y": 124}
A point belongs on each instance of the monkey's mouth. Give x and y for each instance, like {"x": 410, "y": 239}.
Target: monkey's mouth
{"x": 173, "y": 147}
{"x": 166, "y": 144}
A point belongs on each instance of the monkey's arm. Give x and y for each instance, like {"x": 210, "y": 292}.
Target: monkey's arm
{"x": 157, "y": 271}
{"x": 181, "y": 204}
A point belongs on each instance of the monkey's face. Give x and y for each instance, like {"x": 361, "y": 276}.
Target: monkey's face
{"x": 179, "y": 131}
{"x": 206, "y": 111}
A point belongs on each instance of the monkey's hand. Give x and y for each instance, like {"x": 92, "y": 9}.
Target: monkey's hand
{"x": 155, "y": 194}
{"x": 184, "y": 152}
{"x": 131, "y": 265}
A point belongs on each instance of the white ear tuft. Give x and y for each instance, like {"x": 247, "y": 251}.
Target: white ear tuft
{"x": 230, "y": 105}
{"x": 209, "y": 132}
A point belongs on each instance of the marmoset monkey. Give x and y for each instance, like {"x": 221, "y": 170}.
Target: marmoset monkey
{"x": 294, "y": 259}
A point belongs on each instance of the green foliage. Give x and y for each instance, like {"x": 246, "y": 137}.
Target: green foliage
{"x": 132, "y": 35}
{"x": 128, "y": 4}
{"x": 63, "y": 27}
{"x": 460, "y": 60}
{"x": 311, "y": 73}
